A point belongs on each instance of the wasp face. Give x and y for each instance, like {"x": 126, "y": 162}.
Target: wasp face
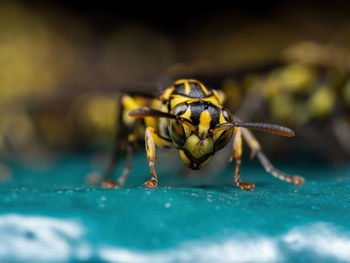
{"x": 198, "y": 142}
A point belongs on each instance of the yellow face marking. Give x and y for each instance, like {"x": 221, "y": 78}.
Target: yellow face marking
{"x": 222, "y": 119}
{"x": 204, "y": 124}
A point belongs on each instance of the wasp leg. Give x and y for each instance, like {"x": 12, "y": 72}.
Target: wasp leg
{"x": 152, "y": 138}
{"x": 237, "y": 154}
{"x": 108, "y": 183}
{"x": 122, "y": 134}
{"x": 256, "y": 150}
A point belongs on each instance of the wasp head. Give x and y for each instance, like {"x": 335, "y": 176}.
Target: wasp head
{"x": 193, "y": 131}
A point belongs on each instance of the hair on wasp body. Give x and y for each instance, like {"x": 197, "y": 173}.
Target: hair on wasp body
{"x": 191, "y": 118}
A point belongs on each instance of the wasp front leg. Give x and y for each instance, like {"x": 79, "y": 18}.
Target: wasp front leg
{"x": 151, "y": 157}
{"x": 152, "y": 138}
{"x": 256, "y": 150}
{"x": 237, "y": 155}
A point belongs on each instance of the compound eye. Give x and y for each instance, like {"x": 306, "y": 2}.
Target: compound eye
{"x": 227, "y": 115}
{"x": 176, "y": 128}
{"x": 180, "y": 109}
{"x": 223, "y": 139}
{"x": 177, "y": 132}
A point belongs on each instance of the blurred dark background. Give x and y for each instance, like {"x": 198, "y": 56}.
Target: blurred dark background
{"x": 64, "y": 63}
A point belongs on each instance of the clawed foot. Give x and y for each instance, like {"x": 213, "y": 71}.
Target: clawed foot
{"x": 248, "y": 186}
{"x": 151, "y": 184}
{"x": 297, "y": 180}
{"x": 109, "y": 184}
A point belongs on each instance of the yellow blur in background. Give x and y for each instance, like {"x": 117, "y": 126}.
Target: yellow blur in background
{"x": 61, "y": 74}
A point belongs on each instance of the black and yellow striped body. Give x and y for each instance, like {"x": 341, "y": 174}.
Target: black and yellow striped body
{"x": 191, "y": 118}
{"x": 202, "y": 106}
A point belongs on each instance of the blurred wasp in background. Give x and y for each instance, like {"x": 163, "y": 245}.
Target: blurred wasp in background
{"x": 308, "y": 89}
{"x": 190, "y": 117}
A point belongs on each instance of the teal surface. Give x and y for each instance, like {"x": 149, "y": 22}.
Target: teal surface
{"x": 52, "y": 215}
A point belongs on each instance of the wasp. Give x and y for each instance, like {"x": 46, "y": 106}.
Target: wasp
{"x": 190, "y": 117}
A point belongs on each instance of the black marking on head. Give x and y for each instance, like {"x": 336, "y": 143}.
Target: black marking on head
{"x": 198, "y": 107}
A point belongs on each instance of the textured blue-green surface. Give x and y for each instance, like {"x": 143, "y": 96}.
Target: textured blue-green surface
{"x": 52, "y": 215}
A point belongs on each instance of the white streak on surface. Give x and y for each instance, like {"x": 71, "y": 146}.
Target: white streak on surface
{"x": 261, "y": 250}
{"x": 46, "y": 239}
{"x": 320, "y": 238}
{"x": 39, "y": 238}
